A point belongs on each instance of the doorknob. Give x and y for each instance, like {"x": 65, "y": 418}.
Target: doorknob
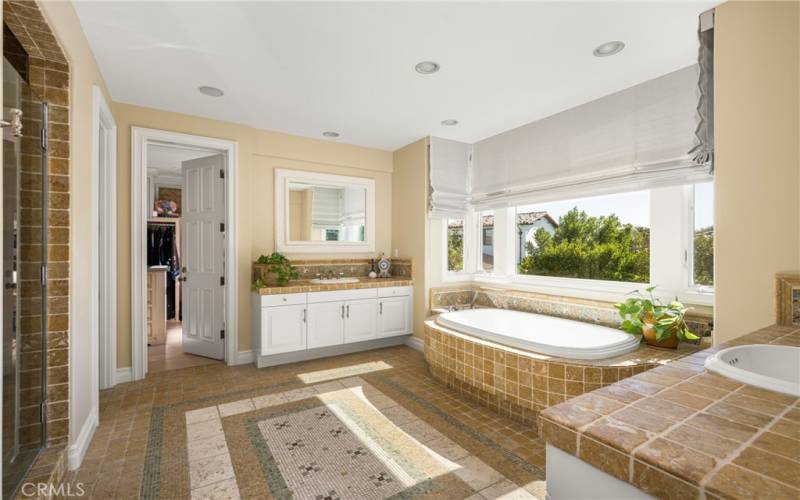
{"x": 15, "y": 122}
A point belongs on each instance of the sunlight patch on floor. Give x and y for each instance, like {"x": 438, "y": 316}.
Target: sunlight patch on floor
{"x": 344, "y": 371}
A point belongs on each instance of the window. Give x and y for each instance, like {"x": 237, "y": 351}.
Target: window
{"x": 597, "y": 238}
{"x": 486, "y": 221}
{"x": 703, "y": 240}
{"x": 455, "y": 245}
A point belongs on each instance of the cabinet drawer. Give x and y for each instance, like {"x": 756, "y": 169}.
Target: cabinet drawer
{"x": 340, "y": 295}
{"x": 284, "y": 299}
{"x": 394, "y": 291}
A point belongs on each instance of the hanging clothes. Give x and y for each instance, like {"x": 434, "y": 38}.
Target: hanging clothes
{"x": 162, "y": 250}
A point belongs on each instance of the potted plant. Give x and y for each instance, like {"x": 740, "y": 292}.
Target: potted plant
{"x": 660, "y": 325}
{"x": 274, "y": 269}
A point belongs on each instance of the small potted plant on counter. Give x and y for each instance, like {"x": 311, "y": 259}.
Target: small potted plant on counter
{"x": 660, "y": 325}
{"x": 275, "y": 270}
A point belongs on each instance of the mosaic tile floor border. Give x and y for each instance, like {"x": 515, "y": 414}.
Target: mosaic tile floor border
{"x": 198, "y": 413}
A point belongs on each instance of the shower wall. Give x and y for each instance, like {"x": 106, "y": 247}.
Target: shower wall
{"x": 49, "y": 81}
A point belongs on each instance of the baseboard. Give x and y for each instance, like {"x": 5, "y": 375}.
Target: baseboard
{"x": 123, "y": 375}
{"x": 415, "y": 343}
{"x": 77, "y": 450}
{"x": 244, "y": 358}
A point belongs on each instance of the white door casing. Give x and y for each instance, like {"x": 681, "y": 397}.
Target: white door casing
{"x": 360, "y": 320}
{"x": 203, "y": 256}
{"x": 325, "y": 324}
{"x": 393, "y": 316}
{"x": 283, "y": 329}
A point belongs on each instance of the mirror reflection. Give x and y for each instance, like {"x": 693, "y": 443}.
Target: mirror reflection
{"x": 326, "y": 213}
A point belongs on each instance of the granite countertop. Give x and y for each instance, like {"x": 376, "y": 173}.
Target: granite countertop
{"x": 303, "y": 286}
{"x": 678, "y": 431}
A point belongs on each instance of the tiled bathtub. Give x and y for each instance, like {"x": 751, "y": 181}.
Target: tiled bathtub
{"x": 520, "y": 384}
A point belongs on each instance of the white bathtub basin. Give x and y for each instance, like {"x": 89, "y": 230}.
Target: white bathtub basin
{"x": 772, "y": 367}
{"x": 334, "y": 281}
{"x": 558, "y": 337}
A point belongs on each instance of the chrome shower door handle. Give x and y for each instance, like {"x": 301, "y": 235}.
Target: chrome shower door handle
{"x": 15, "y": 122}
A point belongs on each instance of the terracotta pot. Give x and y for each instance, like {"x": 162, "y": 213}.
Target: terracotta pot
{"x": 649, "y": 332}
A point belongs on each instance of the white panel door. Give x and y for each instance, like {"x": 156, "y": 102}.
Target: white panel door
{"x": 283, "y": 329}
{"x": 360, "y": 320}
{"x": 393, "y": 316}
{"x": 325, "y": 324}
{"x": 203, "y": 256}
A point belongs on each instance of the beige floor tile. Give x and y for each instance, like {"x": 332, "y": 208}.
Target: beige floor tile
{"x": 210, "y": 470}
{"x": 447, "y": 448}
{"x": 236, "y": 407}
{"x": 200, "y": 449}
{"x": 222, "y": 490}
{"x": 269, "y": 400}
{"x": 505, "y": 490}
{"x": 202, "y": 415}
{"x": 476, "y": 473}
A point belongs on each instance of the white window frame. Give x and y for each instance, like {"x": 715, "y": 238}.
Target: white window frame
{"x": 671, "y": 269}
{"x": 479, "y": 244}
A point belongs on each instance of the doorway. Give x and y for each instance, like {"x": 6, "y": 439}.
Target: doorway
{"x": 184, "y": 313}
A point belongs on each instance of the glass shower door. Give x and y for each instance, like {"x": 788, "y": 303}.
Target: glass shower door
{"x": 24, "y": 289}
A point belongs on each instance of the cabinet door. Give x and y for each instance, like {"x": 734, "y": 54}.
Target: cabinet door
{"x": 283, "y": 329}
{"x": 360, "y": 320}
{"x": 393, "y": 316}
{"x": 325, "y": 324}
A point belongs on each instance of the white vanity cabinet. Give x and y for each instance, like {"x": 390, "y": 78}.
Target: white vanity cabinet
{"x": 307, "y": 325}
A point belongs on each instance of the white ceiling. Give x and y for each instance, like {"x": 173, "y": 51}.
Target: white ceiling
{"x": 166, "y": 160}
{"x": 304, "y": 68}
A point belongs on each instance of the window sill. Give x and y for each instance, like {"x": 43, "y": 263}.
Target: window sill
{"x": 608, "y": 291}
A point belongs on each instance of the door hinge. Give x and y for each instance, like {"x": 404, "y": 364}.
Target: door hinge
{"x": 221, "y": 227}
{"x": 222, "y": 334}
{"x": 43, "y": 411}
{"x": 221, "y": 173}
{"x": 222, "y": 281}
{"x": 43, "y": 276}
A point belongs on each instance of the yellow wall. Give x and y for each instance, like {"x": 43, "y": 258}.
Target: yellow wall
{"x": 410, "y": 219}
{"x": 260, "y": 152}
{"x": 84, "y": 74}
{"x": 757, "y": 177}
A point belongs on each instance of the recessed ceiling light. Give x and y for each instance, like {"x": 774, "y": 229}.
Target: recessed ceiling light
{"x": 331, "y": 134}
{"x": 608, "y": 49}
{"x": 427, "y": 67}
{"x": 449, "y": 123}
{"x": 210, "y": 91}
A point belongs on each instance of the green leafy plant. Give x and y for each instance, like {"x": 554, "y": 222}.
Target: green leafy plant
{"x": 279, "y": 266}
{"x": 640, "y": 311}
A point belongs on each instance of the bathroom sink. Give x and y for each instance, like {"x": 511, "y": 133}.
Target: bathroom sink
{"x": 772, "y": 367}
{"x": 334, "y": 281}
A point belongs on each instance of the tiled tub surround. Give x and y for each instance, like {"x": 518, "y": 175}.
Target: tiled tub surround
{"x": 588, "y": 311}
{"x": 358, "y": 268}
{"x": 520, "y": 384}
{"x": 678, "y": 431}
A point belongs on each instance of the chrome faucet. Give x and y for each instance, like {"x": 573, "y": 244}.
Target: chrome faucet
{"x": 330, "y": 274}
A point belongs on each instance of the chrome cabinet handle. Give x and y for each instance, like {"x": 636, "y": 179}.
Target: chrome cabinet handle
{"x": 305, "y": 315}
{"x": 380, "y": 307}
{"x": 348, "y": 310}
{"x": 342, "y": 311}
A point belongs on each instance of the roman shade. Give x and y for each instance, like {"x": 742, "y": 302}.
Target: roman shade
{"x": 448, "y": 182}
{"x": 638, "y": 138}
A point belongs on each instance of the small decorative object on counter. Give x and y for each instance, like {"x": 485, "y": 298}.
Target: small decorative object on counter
{"x": 383, "y": 266}
{"x": 660, "y": 325}
{"x": 277, "y": 271}
{"x": 372, "y": 274}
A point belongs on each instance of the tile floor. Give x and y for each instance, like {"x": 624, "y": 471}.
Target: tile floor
{"x": 170, "y": 355}
{"x": 217, "y": 432}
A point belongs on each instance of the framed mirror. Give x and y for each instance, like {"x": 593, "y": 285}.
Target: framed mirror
{"x": 323, "y": 213}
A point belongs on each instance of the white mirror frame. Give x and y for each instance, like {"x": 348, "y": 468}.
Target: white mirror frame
{"x": 283, "y": 244}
